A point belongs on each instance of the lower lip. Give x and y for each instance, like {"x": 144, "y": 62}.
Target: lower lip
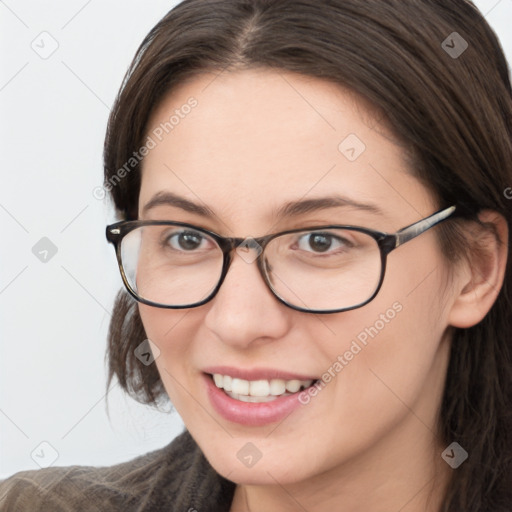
{"x": 250, "y": 414}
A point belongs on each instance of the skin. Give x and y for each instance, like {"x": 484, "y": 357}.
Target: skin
{"x": 256, "y": 140}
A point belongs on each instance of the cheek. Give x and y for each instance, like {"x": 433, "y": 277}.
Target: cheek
{"x": 170, "y": 331}
{"x": 160, "y": 325}
{"x": 392, "y": 351}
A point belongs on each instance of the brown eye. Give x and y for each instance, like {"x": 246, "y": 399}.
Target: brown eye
{"x": 185, "y": 241}
{"x": 321, "y": 242}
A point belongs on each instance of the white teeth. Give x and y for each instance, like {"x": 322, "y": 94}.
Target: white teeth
{"x": 293, "y": 386}
{"x": 252, "y": 399}
{"x": 227, "y": 383}
{"x": 240, "y": 387}
{"x": 258, "y": 390}
{"x": 277, "y": 387}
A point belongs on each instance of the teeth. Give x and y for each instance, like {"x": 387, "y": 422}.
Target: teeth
{"x": 227, "y": 383}
{"x": 277, "y": 387}
{"x": 240, "y": 387}
{"x": 258, "y": 390}
{"x": 218, "y": 379}
{"x": 293, "y": 386}
{"x": 252, "y": 399}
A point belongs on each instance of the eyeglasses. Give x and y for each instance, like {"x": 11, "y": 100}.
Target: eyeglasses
{"x": 324, "y": 269}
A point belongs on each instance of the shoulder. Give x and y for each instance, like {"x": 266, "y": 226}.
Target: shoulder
{"x": 73, "y": 488}
{"x": 175, "y": 477}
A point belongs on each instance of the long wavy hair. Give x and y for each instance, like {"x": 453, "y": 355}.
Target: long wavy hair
{"x": 453, "y": 114}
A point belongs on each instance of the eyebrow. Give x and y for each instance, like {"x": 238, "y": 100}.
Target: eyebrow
{"x": 170, "y": 199}
{"x": 295, "y": 208}
{"x": 290, "y": 209}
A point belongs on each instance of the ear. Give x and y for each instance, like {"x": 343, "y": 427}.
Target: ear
{"x": 480, "y": 278}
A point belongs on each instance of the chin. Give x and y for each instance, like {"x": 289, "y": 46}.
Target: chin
{"x": 265, "y": 471}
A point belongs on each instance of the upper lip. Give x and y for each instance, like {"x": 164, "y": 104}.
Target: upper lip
{"x": 257, "y": 373}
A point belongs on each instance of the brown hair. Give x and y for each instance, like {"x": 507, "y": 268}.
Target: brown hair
{"x": 453, "y": 114}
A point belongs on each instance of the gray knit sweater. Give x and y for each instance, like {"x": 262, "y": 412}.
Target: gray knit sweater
{"x": 176, "y": 477}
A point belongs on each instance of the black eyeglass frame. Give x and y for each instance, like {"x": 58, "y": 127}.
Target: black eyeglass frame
{"x": 387, "y": 242}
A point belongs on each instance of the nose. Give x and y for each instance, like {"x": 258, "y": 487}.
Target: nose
{"x": 244, "y": 310}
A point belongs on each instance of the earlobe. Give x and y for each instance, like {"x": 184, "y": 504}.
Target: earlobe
{"x": 483, "y": 272}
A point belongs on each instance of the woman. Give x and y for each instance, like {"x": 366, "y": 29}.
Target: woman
{"x": 313, "y": 235}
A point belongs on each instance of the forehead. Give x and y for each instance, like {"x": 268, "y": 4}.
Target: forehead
{"x": 245, "y": 142}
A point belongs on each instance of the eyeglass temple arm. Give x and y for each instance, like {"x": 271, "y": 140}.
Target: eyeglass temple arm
{"x": 416, "y": 229}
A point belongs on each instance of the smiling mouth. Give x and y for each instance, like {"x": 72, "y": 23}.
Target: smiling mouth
{"x": 259, "y": 391}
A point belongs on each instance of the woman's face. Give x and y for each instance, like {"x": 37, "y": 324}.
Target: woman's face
{"x": 253, "y": 142}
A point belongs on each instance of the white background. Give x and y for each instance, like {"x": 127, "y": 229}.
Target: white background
{"x": 54, "y": 316}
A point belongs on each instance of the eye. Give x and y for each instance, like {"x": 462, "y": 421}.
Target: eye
{"x": 186, "y": 241}
{"x": 319, "y": 242}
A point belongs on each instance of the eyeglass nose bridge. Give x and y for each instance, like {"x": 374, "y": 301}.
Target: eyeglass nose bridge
{"x": 249, "y": 250}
